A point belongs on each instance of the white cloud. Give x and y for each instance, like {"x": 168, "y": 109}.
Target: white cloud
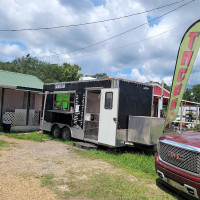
{"x": 121, "y": 75}
{"x": 155, "y": 57}
{"x": 136, "y": 76}
{"x": 168, "y": 80}
{"x": 11, "y": 50}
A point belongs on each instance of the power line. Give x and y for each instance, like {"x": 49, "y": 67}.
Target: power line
{"x": 127, "y": 31}
{"x": 87, "y": 23}
{"x": 123, "y": 46}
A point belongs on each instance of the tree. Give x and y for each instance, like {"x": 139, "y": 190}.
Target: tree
{"x": 167, "y": 87}
{"x": 196, "y": 92}
{"x": 101, "y": 76}
{"x": 46, "y": 72}
{"x": 71, "y": 72}
{"x": 188, "y": 95}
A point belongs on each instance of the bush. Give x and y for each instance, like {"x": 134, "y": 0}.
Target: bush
{"x": 196, "y": 128}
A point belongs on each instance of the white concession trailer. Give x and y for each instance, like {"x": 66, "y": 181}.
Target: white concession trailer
{"x": 111, "y": 112}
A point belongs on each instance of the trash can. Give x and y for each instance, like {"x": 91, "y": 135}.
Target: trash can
{"x": 7, "y": 126}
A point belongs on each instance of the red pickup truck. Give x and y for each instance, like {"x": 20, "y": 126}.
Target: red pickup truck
{"x": 178, "y": 161}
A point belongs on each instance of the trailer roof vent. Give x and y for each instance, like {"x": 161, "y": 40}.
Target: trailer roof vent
{"x": 86, "y": 78}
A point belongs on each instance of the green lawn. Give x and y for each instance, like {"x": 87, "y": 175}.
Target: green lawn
{"x": 34, "y": 136}
{"x": 136, "y": 162}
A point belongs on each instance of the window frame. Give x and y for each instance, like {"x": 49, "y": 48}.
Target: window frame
{"x": 55, "y": 102}
{"x": 108, "y": 108}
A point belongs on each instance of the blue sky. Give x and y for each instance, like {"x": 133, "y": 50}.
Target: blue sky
{"x": 98, "y": 2}
{"x": 20, "y": 44}
{"x": 154, "y": 22}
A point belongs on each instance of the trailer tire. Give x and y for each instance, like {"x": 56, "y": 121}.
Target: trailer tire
{"x": 56, "y": 132}
{"x": 66, "y": 134}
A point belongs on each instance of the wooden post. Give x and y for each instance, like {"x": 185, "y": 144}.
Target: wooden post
{"x": 43, "y": 112}
{"x": 2, "y": 102}
{"x": 27, "y": 108}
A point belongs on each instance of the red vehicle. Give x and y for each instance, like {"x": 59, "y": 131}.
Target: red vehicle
{"x": 178, "y": 162}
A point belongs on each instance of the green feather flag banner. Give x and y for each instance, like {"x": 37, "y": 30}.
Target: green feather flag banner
{"x": 187, "y": 54}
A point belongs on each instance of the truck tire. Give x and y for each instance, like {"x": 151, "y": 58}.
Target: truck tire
{"x": 56, "y": 131}
{"x": 66, "y": 134}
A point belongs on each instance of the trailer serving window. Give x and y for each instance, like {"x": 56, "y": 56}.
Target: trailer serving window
{"x": 64, "y": 101}
{"x": 108, "y": 100}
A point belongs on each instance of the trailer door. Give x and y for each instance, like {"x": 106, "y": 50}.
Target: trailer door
{"x": 108, "y": 116}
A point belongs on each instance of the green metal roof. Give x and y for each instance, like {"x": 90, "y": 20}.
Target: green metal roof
{"x": 13, "y": 79}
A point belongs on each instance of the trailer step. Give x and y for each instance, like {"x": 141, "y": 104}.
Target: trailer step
{"x": 85, "y": 145}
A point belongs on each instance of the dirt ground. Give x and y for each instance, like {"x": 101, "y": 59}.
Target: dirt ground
{"x": 52, "y": 170}
{"x": 24, "y": 163}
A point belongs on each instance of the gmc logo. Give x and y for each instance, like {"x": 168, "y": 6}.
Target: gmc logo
{"x": 174, "y": 155}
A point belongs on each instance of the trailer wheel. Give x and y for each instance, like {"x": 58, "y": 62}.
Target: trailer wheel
{"x": 56, "y": 131}
{"x": 66, "y": 134}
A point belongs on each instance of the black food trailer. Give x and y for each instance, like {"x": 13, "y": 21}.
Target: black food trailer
{"x": 111, "y": 112}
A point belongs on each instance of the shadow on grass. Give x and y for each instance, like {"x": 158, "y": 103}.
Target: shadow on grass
{"x": 131, "y": 150}
{"x": 173, "y": 191}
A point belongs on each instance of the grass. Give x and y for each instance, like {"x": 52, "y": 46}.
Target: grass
{"x": 4, "y": 143}
{"x": 138, "y": 164}
{"x": 110, "y": 186}
{"x": 34, "y": 136}
{"x": 134, "y": 163}
{"x": 47, "y": 179}
{"x": 70, "y": 143}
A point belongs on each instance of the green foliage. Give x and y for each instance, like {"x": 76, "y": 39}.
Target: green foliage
{"x": 196, "y": 92}
{"x": 71, "y": 72}
{"x": 196, "y": 128}
{"x": 101, "y": 76}
{"x": 48, "y": 73}
{"x": 190, "y": 114}
{"x": 192, "y": 94}
{"x": 167, "y": 87}
{"x": 188, "y": 95}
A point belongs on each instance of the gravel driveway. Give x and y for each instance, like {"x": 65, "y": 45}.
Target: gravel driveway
{"x": 24, "y": 163}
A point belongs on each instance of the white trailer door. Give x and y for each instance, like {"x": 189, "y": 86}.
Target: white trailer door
{"x": 108, "y": 116}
